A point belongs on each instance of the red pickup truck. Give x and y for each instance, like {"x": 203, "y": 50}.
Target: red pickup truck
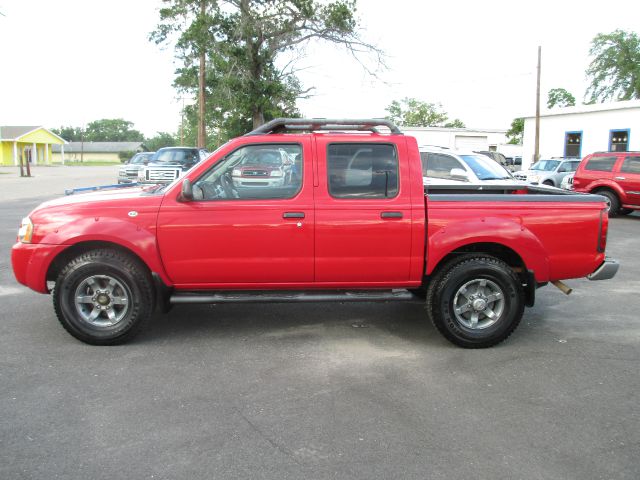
{"x": 352, "y": 221}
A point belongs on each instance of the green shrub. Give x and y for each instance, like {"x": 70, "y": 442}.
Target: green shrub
{"x": 126, "y": 156}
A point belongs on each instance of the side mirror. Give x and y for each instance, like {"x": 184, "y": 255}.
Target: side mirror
{"x": 459, "y": 174}
{"x": 187, "y": 190}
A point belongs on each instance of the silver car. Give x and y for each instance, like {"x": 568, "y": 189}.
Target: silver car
{"x": 444, "y": 166}
{"x": 548, "y": 172}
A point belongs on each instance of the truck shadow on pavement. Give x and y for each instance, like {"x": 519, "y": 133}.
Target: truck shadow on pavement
{"x": 383, "y": 322}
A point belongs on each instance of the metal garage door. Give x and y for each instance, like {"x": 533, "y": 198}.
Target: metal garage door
{"x": 468, "y": 142}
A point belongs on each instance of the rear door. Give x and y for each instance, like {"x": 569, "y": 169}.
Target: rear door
{"x": 363, "y": 212}
{"x": 628, "y": 177}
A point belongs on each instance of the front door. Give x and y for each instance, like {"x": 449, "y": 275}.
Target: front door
{"x": 250, "y": 225}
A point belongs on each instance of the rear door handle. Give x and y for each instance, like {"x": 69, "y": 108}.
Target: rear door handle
{"x": 293, "y": 215}
{"x": 621, "y": 178}
{"x": 391, "y": 215}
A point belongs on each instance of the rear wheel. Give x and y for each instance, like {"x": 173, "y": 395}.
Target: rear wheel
{"x": 103, "y": 297}
{"x": 475, "y": 301}
{"x": 613, "y": 204}
{"x": 625, "y": 211}
{"x": 548, "y": 182}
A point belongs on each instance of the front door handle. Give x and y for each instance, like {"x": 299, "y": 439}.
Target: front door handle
{"x": 621, "y": 178}
{"x": 391, "y": 215}
{"x": 293, "y": 215}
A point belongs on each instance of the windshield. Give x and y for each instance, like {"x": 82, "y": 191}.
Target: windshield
{"x": 175, "y": 156}
{"x": 546, "y": 165}
{"x": 485, "y": 168}
{"x": 140, "y": 158}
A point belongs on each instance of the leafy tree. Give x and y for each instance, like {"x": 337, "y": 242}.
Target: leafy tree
{"x": 160, "y": 140}
{"x": 410, "y": 112}
{"x": 614, "y": 72}
{"x": 516, "y": 131}
{"x": 112, "y": 130}
{"x": 244, "y": 38}
{"x": 194, "y": 23}
{"x": 70, "y": 134}
{"x": 559, "y": 97}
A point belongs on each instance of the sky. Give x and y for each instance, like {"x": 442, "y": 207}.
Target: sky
{"x": 70, "y": 62}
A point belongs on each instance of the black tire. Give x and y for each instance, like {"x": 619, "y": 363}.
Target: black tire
{"x": 625, "y": 211}
{"x": 612, "y": 202}
{"x": 468, "y": 270}
{"x": 549, "y": 183}
{"x": 114, "y": 287}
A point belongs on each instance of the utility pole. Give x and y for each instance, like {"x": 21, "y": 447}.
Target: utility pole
{"x": 182, "y": 123}
{"x": 202, "y": 133}
{"x": 536, "y": 154}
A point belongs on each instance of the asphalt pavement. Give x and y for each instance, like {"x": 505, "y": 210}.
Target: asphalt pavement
{"x": 323, "y": 391}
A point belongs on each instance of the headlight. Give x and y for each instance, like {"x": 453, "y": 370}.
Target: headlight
{"x": 276, "y": 173}
{"x": 236, "y": 172}
{"x": 26, "y": 230}
{"x": 534, "y": 178}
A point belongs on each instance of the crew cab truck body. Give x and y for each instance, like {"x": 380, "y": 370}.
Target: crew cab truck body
{"x": 352, "y": 223}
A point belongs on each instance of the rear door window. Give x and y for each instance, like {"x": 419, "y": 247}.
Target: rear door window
{"x": 600, "y": 164}
{"x": 361, "y": 170}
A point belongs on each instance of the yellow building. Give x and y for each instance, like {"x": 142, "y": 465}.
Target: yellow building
{"x": 96, "y": 151}
{"x": 32, "y": 144}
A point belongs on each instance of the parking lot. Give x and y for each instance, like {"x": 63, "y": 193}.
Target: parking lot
{"x": 315, "y": 391}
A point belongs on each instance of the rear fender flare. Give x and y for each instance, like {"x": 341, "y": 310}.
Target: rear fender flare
{"x": 496, "y": 230}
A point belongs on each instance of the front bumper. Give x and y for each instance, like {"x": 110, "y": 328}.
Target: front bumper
{"x": 31, "y": 261}
{"x": 607, "y": 270}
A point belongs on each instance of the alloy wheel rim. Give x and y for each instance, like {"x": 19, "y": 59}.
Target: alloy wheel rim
{"x": 478, "y": 304}
{"x": 102, "y": 300}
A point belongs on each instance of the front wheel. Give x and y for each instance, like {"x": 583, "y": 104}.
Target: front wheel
{"x": 103, "y": 297}
{"x": 475, "y": 301}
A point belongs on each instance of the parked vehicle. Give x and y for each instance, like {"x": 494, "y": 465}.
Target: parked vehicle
{"x": 128, "y": 173}
{"x": 170, "y": 163}
{"x": 567, "y": 182}
{"x": 495, "y": 156}
{"x": 514, "y": 163}
{"x": 614, "y": 175}
{"x": 548, "y": 172}
{"x": 353, "y": 225}
{"x": 443, "y": 166}
{"x": 264, "y": 168}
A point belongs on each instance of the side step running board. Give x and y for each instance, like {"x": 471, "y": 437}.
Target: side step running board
{"x": 293, "y": 297}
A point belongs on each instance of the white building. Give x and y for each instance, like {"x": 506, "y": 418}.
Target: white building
{"x": 464, "y": 138}
{"x": 584, "y": 129}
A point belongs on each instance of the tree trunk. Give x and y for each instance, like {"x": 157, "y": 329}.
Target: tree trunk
{"x": 258, "y": 118}
{"x": 202, "y": 132}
